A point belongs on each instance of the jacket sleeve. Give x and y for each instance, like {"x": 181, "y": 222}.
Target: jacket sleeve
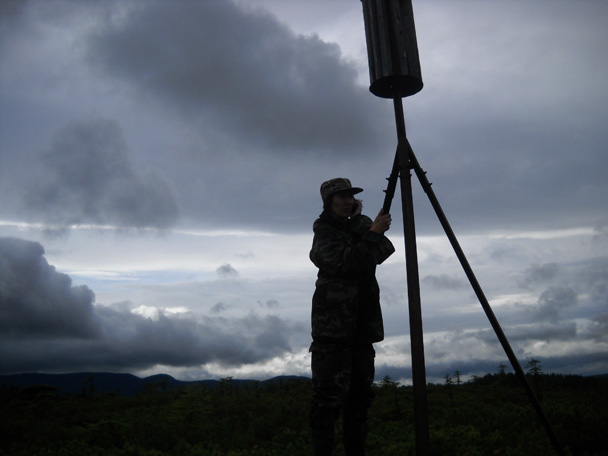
{"x": 336, "y": 254}
{"x": 382, "y": 247}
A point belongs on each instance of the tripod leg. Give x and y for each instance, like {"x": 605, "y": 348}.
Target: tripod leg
{"x": 413, "y": 286}
{"x": 426, "y": 185}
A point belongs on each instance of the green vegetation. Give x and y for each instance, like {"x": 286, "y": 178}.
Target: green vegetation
{"x": 485, "y": 416}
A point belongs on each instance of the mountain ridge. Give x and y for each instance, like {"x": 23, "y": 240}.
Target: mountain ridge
{"x": 109, "y": 382}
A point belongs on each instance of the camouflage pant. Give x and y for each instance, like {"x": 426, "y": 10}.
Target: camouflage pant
{"x": 342, "y": 384}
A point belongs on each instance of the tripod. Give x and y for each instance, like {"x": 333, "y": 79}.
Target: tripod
{"x": 405, "y": 160}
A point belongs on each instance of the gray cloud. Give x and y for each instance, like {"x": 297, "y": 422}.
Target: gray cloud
{"x": 446, "y": 353}
{"x": 270, "y": 303}
{"x": 265, "y": 112}
{"x": 517, "y": 133}
{"x": 444, "y": 282}
{"x": 227, "y": 270}
{"x": 550, "y": 331}
{"x": 91, "y": 179}
{"x": 539, "y": 273}
{"x": 242, "y": 70}
{"x": 593, "y": 279}
{"x": 479, "y": 352}
{"x": 582, "y": 285}
{"x": 46, "y": 323}
{"x": 191, "y": 341}
{"x": 553, "y": 301}
{"x": 218, "y": 308}
{"x": 10, "y": 8}
{"x": 135, "y": 342}
{"x": 600, "y": 230}
{"x": 599, "y": 327}
{"x": 38, "y": 302}
{"x": 248, "y": 107}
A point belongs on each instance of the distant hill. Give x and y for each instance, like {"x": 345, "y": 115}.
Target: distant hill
{"x": 106, "y": 382}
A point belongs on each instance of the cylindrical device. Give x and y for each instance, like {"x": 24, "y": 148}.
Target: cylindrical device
{"x": 392, "y": 49}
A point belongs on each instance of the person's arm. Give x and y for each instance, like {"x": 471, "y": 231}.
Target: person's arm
{"x": 382, "y": 223}
{"x": 373, "y": 232}
{"x": 335, "y": 254}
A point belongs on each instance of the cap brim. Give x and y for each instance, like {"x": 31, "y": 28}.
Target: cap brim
{"x": 352, "y": 191}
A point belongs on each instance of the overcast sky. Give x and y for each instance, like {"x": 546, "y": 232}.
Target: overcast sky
{"x": 160, "y": 164}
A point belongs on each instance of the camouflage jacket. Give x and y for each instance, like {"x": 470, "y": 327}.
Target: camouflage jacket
{"x": 346, "y": 302}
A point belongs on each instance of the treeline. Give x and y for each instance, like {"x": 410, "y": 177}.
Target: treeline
{"x": 487, "y": 415}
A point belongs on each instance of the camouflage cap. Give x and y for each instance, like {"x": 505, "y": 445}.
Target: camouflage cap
{"x": 336, "y": 185}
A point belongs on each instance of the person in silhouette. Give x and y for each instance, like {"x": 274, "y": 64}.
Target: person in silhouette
{"x": 346, "y": 316}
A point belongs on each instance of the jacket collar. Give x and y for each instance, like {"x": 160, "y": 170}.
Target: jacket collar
{"x": 327, "y": 217}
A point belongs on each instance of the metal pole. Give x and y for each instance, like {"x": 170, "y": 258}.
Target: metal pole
{"x": 426, "y": 185}
{"x": 413, "y": 286}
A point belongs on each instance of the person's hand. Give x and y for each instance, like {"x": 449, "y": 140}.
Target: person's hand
{"x": 357, "y": 207}
{"x": 382, "y": 223}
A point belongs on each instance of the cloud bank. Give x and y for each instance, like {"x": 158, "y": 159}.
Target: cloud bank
{"x": 48, "y": 324}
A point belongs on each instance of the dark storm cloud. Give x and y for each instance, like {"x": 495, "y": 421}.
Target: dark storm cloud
{"x": 188, "y": 341}
{"x": 89, "y": 178}
{"x": 47, "y": 324}
{"x": 135, "y": 342}
{"x": 274, "y": 333}
{"x": 38, "y": 302}
{"x": 242, "y": 70}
